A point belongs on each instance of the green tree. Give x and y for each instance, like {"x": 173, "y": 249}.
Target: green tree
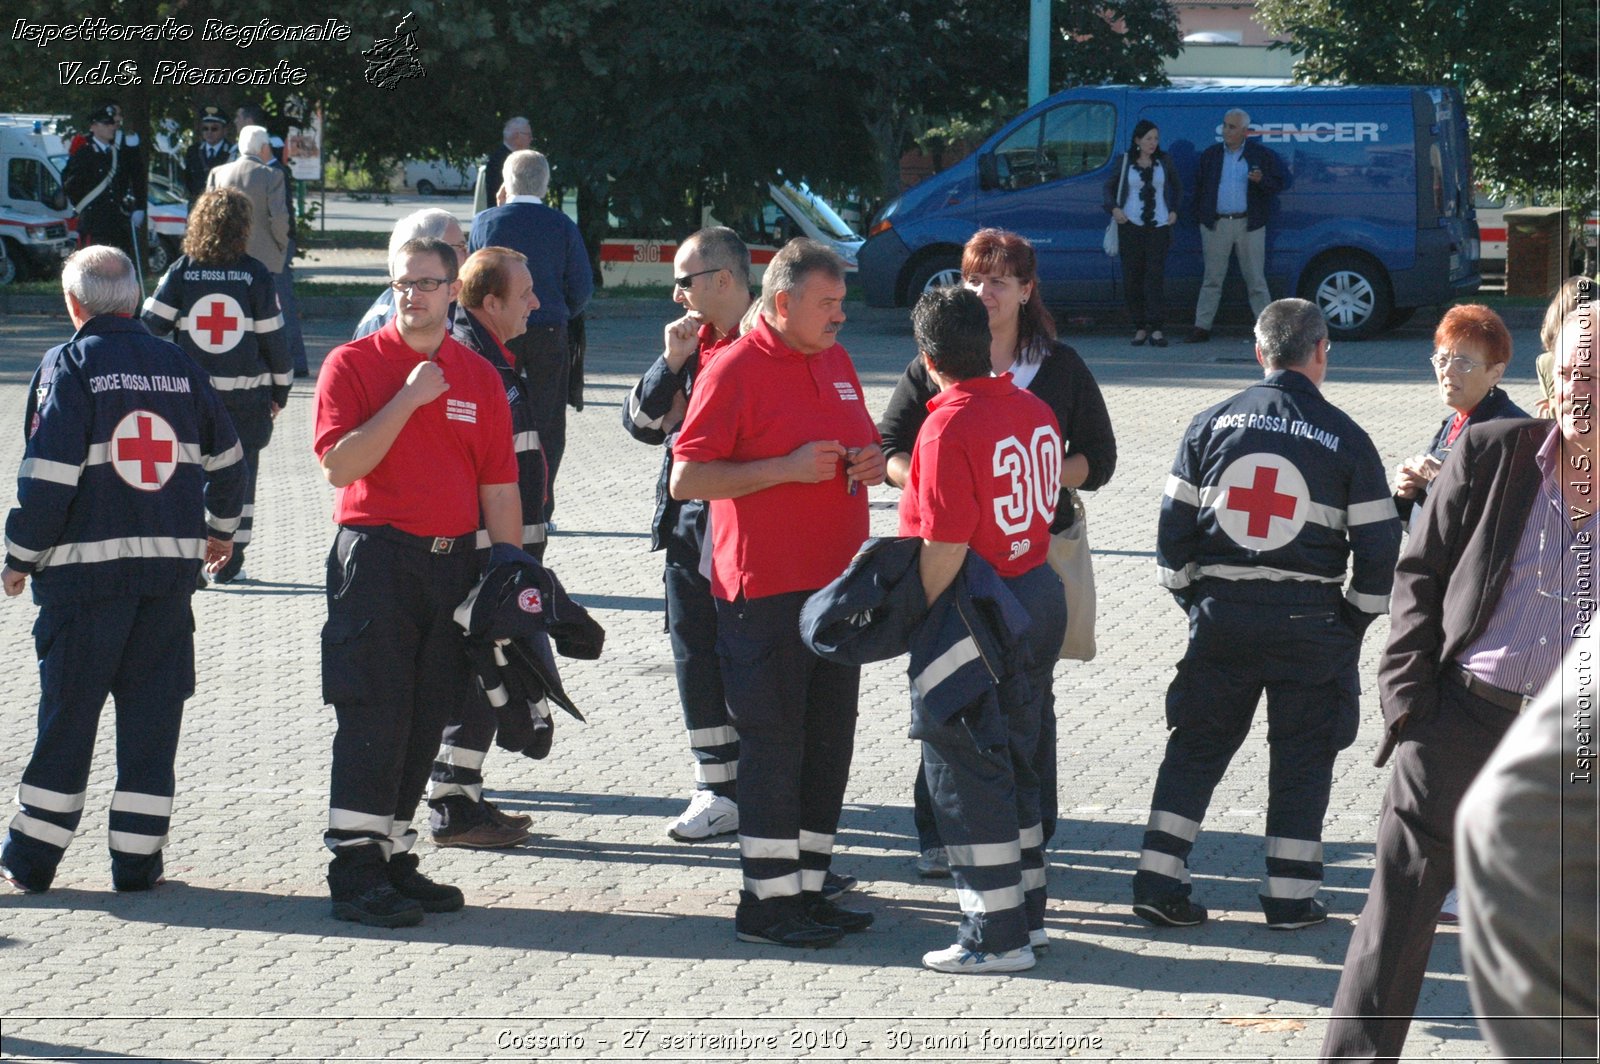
{"x": 1526, "y": 70}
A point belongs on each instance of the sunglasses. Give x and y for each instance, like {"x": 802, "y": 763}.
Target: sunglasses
{"x": 687, "y": 280}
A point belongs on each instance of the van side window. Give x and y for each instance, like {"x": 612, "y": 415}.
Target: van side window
{"x": 23, "y": 180}
{"x": 1072, "y": 139}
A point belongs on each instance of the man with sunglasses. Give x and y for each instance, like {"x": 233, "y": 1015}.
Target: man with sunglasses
{"x": 413, "y": 429}
{"x": 711, "y": 281}
{"x": 1487, "y": 595}
{"x": 563, "y": 283}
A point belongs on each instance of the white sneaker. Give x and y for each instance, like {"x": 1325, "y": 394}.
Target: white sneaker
{"x": 708, "y": 814}
{"x": 959, "y": 960}
{"x": 1038, "y": 939}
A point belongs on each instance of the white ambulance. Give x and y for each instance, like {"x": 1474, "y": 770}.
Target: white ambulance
{"x": 35, "y": 225}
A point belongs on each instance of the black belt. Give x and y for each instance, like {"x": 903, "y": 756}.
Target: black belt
{"x": 431, "y": 544}
{"x": 1463, "y": 678}
{"x": 1241, "y": 214}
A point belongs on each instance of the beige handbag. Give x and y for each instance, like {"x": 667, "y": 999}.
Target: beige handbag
{"x": 1069, "y": 557}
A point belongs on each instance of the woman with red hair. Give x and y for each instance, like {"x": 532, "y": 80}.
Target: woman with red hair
{"x": 1471, "y": 350}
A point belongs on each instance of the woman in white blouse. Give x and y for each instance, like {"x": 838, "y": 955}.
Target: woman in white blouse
{"x": 1142, "y": 194}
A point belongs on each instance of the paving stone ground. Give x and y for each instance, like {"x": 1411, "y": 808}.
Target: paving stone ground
{"x": 602, "y": 939}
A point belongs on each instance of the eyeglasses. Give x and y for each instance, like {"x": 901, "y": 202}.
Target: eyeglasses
{"x": 1443, "y": 360}
{"x": 421, "y": 284}
{"x": 687, "y": 280}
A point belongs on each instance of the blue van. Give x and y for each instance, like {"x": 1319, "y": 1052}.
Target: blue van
{"x": 1375, "y": 220}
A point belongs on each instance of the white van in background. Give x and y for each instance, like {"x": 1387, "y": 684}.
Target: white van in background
{"x": 35, "y": 224}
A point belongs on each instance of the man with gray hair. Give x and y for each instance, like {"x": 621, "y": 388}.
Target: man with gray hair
{"x": 1236, "y": 185}
{"x": 777, "y": 436}
{"x": 1271, "y": 491}
{"x": 430, "y": 222}
{"x": 516, "y": 135}
{"x": 269, "y": 202}
{"x": 562, "y": 282}
{"x": 132, "y": 478}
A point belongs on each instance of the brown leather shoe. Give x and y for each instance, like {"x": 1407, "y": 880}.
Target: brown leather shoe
{"x": 484, "y": 836}
{"x": 499, "y": 816}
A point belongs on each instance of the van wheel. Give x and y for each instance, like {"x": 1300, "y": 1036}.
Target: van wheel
{"x": 157, "y": 256}
{"x": 425, "y": 188}
{"x": 938, "y": 271}
{"x": 8, "y": 264}
{"x": 1353, "y": 294}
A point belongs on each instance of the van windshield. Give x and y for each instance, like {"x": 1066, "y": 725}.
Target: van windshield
{"x": 818, "y": 211}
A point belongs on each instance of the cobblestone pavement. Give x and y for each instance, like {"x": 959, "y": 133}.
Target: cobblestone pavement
{"x": 601, "y": 938}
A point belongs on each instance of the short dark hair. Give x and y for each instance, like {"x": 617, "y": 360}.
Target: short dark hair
{"x": 951, "y": 326}
{"x": 720, "y": 248}
{"x": 1288, "y": 332}
{"x": 433, "y": 245}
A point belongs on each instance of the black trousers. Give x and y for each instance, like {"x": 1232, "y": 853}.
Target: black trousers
{"x": 1246, "y": 637}
{"x": 692, "y": 628}
{"x": 1434, "y": 763}
{"x": 1143, "y": 250}
{"x": 544, "y": 357}
{"x": 139, "y": 650}
{"x": 796, "y": 716}
{"x": 395, "y": 671}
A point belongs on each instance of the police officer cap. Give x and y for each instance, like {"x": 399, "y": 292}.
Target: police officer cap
{"x": 212, "y": 113}
{"x": 103, "y": 114}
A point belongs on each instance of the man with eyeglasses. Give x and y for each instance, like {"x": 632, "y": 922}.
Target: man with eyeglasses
{"x": 414, "y": 430}
{"x": 1496, "y": 577}
{"x": 1271, "y": 493}
{"x": 711, "y": 281}
{"x": 563, "y": 283}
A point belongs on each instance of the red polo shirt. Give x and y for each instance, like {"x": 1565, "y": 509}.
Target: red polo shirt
{"x": 986, "y": 471}
{"x": 428, "y": 482}
{"x": 759, "y": 398}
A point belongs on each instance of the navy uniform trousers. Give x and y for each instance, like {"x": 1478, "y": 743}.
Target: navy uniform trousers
{"x": 987, "y": 802}
{"x": 796, "y": 718}
{"x": 692, "y": 630}
{"x": 140, "y": 650}
{"x": 546, "y": 362}
{"x": 395, "y": 671}
{"x": 1435, "y": 762}
{"x": 1290, "y": 640}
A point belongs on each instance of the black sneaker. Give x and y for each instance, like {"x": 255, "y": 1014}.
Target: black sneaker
{"x": 1313, "y": 912}
{"x": 380, "y": 906}
{"x": 1174, "y": 910}
{"x": 433, "y": 897}
{"x": 1197, "y": 335}
{"x": 799, "y": 932}
{"x": 834, "y": 884}
{"x": 829, "y": 914}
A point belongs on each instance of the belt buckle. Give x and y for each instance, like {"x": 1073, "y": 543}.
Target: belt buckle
{"x": 442, "y": 545}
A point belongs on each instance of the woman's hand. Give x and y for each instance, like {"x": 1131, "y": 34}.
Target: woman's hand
{"x": 1118, "y": 215}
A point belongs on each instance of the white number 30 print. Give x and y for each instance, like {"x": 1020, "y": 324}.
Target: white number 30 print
{"x": 1035, "y": 475}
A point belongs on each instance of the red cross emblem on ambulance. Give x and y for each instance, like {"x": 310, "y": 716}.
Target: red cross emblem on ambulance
{"x": 1262, "y": 501}
{"x": 144, "y": 450}
{"x": 215, "y": 324}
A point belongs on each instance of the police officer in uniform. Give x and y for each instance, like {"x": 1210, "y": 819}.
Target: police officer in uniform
{"x": 223, "y": 307}
{"x": 496, "y": 298}
{"x": 210, "y": 151}
{"x": 131, "y": 479}
{"x": 1270, "y": 492}
{"x": 104, "y": 179}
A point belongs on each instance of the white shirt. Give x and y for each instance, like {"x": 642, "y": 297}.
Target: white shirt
{"x": 1131, "y": 205}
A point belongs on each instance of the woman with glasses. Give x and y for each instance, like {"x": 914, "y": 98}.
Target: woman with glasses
{"x": 1471, "y": 350}
{"x": 1001, "y": 268}
{"x": 224, "y": 308}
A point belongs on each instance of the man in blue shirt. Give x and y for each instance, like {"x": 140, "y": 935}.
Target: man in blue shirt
{"x": 563, "y": 283}
{"x": 1235, "y": 187}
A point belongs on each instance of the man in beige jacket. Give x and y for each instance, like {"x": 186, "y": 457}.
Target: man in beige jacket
{"x": 250, "y": 174}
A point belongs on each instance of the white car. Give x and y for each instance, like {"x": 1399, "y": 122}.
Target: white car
{"x": 430, "y": 176}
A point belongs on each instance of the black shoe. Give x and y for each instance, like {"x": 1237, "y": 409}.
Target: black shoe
{"x": 1198, "y": 335}
{"x": 1174, "y": 910}
{"x": 302, "y": 374}
{"x": 433, "y": 897}
{"x": 1139, "y": 339}
{"x": 234, "y": 566}
{"x": 834, "y": 884}
{"x": 829, "y": 914}
{"x": 381, "y": 906}
{"x": 1313, "y": 912}
{"x": 1157, "y": 340}
{"x": 499, "y": 816}
{"x": 799, "y": 932}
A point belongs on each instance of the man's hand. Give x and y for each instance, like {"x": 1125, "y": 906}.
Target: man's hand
{"x": 14, "y": 581}
{"x": 868, "y": 467}
{"x": 274, "y": 410}
{"x": 815, "y": 462}
{"x": 682, "y": 340}
{"x": 425, "y": 384}
{"x": 218, "y": 551}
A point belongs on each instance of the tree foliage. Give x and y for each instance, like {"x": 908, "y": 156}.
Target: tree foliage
{"x": 1526, "y": 70}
